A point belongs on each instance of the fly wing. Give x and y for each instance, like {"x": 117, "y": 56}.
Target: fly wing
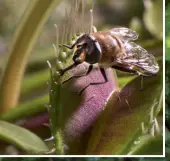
{"x": 125, "y": 33}
{"x": 138, "y": 59}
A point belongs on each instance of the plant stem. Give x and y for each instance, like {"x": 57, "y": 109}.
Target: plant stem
{"x": 24, "y": 40}
{"x": 59, "y": 142}
{"x": 26, "y": 109}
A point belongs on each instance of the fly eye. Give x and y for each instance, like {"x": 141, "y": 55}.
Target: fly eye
{"x": 85, "y": 44}
{"x": 79, "y": 46}
{"x": 78, "y": 52}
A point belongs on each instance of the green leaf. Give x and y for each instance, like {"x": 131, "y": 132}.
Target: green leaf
{"x": 120, "y": 123}
{"x": 124, "y": 80}
{"x": 148, "y": 144}
{"x": 22, "y": 138}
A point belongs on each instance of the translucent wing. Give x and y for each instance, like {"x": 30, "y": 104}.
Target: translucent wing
{"x": 138, "y": 59}
{"x": 125, "y": 33}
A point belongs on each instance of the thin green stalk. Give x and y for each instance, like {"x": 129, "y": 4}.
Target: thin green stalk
{"x": 34, "y": 82}
{"x": 59, "y": 142}
{"x": 40, "y": 56}
{"x": 26, "y": 109}
{"x": 24, "y": 40}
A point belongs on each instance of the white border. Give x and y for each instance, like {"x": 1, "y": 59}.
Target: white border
{"x": 115, "y": 156}
{"x": 82, "y": 156}
{"x": 164, "y": 77}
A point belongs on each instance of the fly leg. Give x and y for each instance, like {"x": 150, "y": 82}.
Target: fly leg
{"x": 68, "y": 46}
{"x": 62, "y": 71}
{"x": 97, "y": 83}
{"x": 126, "y": 69}
{"x": 78, "y": 76}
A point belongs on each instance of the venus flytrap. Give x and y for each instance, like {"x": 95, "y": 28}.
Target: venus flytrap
{"x": 56, "y": 105}
{"x": 56, "y": 92}
{"x": 55, "y": 112}
{"x": 64, "y": 106}
{"x": 118, "y": 115}
{"x": 123, "y": 124}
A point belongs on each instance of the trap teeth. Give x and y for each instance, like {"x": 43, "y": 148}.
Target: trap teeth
{"x": 49, "y": 139}
{"x": 59, "y": 73}
{"x": 59, "y": 64}
{"x": 63, "y": 56}
{"x": 51, "y": 151}
{"x": 65, "y": 50}
{"x": 73, "y": 41}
